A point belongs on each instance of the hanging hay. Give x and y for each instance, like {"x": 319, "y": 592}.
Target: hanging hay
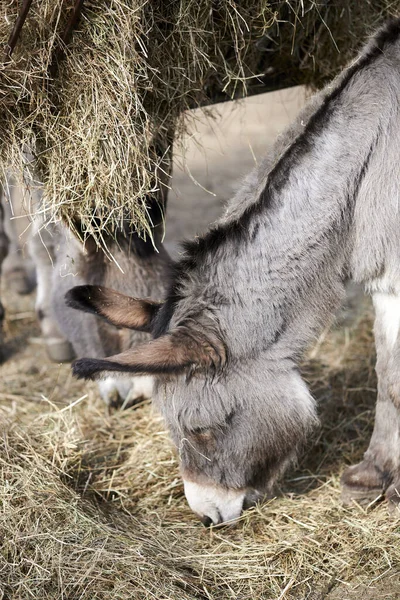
{"x": 100, "y": 114}
{"x": 92, "y": 505}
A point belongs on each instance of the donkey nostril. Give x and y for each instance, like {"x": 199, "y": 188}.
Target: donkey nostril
{"x": 207, "y": 522}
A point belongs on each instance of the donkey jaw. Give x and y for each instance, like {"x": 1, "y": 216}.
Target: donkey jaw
{"x": 215, "y": 504}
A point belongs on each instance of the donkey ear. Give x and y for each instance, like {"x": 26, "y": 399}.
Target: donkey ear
{"x": 116, "y": 308}
{"x": 171, "y": 353}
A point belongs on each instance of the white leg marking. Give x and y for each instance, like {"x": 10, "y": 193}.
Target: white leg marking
{"x": 387, "y": 307}
{"x": 127, "y": 390}
{"x": 107, "y": 387}
{"x": 142, "y": 387}
{"x": 303, "y": 395}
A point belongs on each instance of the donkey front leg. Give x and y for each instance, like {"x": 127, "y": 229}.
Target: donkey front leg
{"x": 41, "y": 247}
{"x": 379, "y": 472}
{"x": 18, "y": 269}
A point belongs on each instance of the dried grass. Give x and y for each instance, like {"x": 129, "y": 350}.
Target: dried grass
{"x": 129, "y": 73}
{"x": 92, "y": 505}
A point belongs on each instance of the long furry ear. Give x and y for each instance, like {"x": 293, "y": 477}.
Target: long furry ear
{"x": 172, "y": 353}
{"x": 116, "y": 308}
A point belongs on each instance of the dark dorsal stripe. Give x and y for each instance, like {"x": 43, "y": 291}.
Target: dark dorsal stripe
{"x": 238, "y": 230}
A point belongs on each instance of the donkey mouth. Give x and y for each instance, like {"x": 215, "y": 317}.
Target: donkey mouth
{"x": 217, "y": 505}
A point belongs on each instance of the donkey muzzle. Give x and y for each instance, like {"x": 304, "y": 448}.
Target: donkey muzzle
{"x": 215, "y": 504}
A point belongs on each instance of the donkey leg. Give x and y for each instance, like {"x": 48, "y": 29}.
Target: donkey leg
{"x": 18, "y": 270}
{"x": 379, "y": 472}
{"x": 41, "y": 247}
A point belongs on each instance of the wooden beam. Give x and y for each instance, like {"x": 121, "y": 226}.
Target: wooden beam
{"x": 65, "y": 36}
{"x": 19, "y": 23}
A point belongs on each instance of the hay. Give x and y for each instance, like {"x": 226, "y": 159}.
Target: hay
{"x": 92, "y": 505}
{"x": 101, "y": 125}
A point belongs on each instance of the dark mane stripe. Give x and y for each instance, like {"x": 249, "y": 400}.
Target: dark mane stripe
{"x": 238, "y": 230}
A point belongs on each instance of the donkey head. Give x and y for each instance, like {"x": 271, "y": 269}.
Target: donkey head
{"x": 237, "y": 423}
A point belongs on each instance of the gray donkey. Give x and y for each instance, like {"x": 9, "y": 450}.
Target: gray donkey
{"x": 250, "y": 295}
{"x": 61, "y": 263}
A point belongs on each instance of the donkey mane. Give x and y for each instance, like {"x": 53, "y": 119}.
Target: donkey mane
{"x": 238, "y": 230}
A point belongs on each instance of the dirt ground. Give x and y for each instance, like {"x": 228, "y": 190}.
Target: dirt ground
{"x": 301, "y": 545}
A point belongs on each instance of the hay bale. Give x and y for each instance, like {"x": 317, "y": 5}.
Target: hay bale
{"x": 101, "y": 122}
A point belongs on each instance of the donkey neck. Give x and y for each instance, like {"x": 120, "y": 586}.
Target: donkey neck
{"x": 273, "y": 274}
{"x": 273, "y": 291}
{"x": 272, "y": 270}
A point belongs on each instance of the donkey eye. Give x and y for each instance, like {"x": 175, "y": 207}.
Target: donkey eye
{"x": 197, "y": 430}
{"x": 202, "y": 434}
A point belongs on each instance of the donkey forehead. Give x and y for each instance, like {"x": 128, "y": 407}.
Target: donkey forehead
{"x": 245, "y": 398}
{"x": 205, "y": 400}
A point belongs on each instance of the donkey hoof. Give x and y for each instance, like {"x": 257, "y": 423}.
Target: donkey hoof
{"x": 59, "y": 350}
{"x": 392, "y": 495}
{"x": 361, "y": 483}
{"x": 113, "y": 399}
{"x": 19, "y": 282}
